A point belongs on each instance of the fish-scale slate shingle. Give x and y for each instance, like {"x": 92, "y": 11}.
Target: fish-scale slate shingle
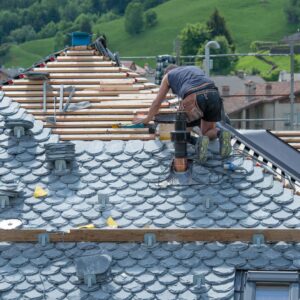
{"x": 141, "y": 190}
{"x": 137, "y": 272}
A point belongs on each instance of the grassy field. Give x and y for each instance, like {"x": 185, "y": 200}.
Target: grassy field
{"x": 24, "y": 55}
{"x": 248, "y": 20}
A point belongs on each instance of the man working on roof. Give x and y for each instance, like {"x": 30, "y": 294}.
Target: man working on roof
{"x": 201, "y": 103}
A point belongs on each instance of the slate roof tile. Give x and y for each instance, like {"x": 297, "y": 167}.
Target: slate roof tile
{"x": 128, "y": 172}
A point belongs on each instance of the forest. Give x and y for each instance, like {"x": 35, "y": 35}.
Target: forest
{"x": 26, "y": 20}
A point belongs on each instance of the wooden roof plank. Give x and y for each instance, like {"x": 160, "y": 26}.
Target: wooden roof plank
{"x": 107, "y": 137}
{"x": 99, "y": 111}
{"x": 74, "y": 131}
{"x": 162, "y": 235}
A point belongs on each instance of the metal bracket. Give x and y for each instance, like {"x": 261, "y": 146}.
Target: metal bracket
{"x": 207, "y": 203}
{"x": 60, "y": 165}
{"x": 4, "y": 201}
{"x": 45, "y": 83}
{"x": 61, "y": 97}
{"x": 258, "y": 239}
{"x": 149, "y": 239}
{"x": 103, "y": 201}
{"x": 89, "y": 279}
{"x": 198, "y": 280}
{"x": 19, "y": 131}
{"x": 43, "y": 239}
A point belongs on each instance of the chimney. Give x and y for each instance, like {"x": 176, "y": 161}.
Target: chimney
{"x": 250, "y": 90}
{"x": 225, "y": 90}
{"x": 268, "y": 89}
{"x": 241, "y": 74}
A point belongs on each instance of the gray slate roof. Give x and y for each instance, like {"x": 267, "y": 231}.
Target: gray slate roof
{"x": 142, "y": 191}
{"x": 29, "y": 271}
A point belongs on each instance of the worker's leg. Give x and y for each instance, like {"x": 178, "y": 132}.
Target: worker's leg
{"x": 209, "y": 129}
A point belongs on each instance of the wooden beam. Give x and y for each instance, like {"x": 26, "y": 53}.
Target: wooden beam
{"x": 89, "y": 118}
{"x": 111, "y": 81}
{"x": 100, "y": 112}
{"x": 96, "y": 87}
{"x": 98, "y": 131}
{"x": 162, "y": 235}
{"x": 107, "y": 137}
{"x": 84, "y": 58}
{"x": 79, "y": 53}
{"x": 287, "y": 133}
{"x": 119, "y": 97}
{"x": 92, "y": 124}
{"x": 109, "y": 71}
{"x": 106, "y": 105}
{"x": 82, "y": 64}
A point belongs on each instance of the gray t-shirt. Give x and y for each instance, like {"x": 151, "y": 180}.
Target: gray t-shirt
{"x": 183, "y": 80}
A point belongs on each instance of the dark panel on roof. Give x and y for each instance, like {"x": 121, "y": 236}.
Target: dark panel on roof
{"x": 271, "y": 148}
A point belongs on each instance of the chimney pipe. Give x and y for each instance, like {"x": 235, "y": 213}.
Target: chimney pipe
{"x": 250, "y": 90}
{"x": 225, "y": 90}
{"x": 268, "y": 89}
{"x": 180, "y": 137}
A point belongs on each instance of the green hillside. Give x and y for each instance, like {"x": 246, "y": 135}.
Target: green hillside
{"x": 248, "y": 20}
{"x": 24, "y": 55}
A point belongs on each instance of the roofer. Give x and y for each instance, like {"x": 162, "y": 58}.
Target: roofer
{"x": 201, "y": 103}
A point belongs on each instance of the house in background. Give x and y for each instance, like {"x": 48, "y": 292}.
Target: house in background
{"x": 232, "y": 84}
{"x": 269, "y": 100}
{"x": 286, "y": 76}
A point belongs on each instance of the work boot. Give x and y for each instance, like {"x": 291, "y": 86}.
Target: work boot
{"x": 225, "y": 143}
{"x": 202, "y": 146}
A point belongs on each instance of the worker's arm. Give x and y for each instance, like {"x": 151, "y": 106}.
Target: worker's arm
{"x": 154, "y": 108}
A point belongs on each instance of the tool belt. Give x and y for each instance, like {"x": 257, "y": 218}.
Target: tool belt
{"x": 190, "y": 106}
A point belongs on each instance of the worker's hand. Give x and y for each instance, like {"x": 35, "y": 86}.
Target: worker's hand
{"x": 141, "y": 120}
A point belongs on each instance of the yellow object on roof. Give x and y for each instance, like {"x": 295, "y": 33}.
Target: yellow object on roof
{"x": 39, "y": 192}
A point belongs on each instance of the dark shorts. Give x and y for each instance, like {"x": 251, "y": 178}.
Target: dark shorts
{"x": 211, "y": 104}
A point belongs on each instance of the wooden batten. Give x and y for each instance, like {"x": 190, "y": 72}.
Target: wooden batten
{"x": 74, "y": 131}
{"x": 82, "y": 58}
{"x": 97, "y": 87}
{"x": 98, "y": 63}
{"x": 107, "y": 137}
{"x": 81, "y": 71}
{"x": 88, "y": 118}
{"x": 111, "y": 81}
{"x": 99, "y": 112}
{"x": 116, "y": 94}
{"x": 79, "y": 53}
{"x": 117, "y": 235}
{"x": 105, "y": 105}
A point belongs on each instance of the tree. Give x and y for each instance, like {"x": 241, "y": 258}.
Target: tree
{"x": 23, "y": 34}
{"x": 292, "y": 11}
{"x": 191, "y": 38}
{"x": 70, "y": 12}
{"x": 134, "y": 22}
{"x": 60, "y": 41}
{"x": 83, "y": 23}
{"x": 217, "y": 26}
{"x": 150, "y": 18}
{"x": 48, "y": 31}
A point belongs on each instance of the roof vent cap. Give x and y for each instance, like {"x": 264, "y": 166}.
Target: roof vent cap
{"x": 60, "y": 154}
{"x": 20, "y": 127}
{"x": 7, "y": 193}
{"x": 94, "y": 268}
